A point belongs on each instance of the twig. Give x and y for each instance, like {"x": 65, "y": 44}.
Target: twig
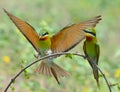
{"x": 103, "y": 76}
{"x": 52, "y": 55}
{"x": 115, "y": 84}
{"x": 22, "y": 70}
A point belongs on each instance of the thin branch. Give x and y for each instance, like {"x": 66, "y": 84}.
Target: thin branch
{"x": 103, "y": 76}
{"x": 45, "y": 57}
{"x": 115, "y": 84}
{"x": 22, "y": 70}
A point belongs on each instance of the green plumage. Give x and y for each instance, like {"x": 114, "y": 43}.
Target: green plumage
{"x": 44, "y": 45}
{"x": 92, "y": 51}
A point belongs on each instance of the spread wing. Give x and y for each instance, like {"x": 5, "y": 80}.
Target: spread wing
{"x": 26, "y": 29}
{"x": 70, "y": 36}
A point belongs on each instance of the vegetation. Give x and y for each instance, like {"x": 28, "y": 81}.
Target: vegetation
{"x": 51, "y": 16}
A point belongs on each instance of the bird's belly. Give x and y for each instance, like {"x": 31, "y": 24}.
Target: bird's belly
{"x": 48, "y": 52}
{"x": 48, "y": 60}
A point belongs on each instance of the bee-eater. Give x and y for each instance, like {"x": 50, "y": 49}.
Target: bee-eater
{"x": 92, "y": 50}
{"x": 63, "y": 41}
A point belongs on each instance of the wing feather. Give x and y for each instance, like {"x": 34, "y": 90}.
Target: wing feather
{"x": 26, "y": 29}
{"x": 70, "y": 36}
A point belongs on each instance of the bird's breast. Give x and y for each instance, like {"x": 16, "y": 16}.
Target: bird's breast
{"x": 45, "y": 43}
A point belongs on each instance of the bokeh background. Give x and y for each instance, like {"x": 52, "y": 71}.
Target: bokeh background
{"x": 51, "y": 16}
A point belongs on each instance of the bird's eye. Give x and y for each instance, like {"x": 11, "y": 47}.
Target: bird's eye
{"x": 91, "y": 33}
{"x": 46, "y": 33}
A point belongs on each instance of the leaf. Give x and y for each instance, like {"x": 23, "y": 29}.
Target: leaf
{"x": 69, "y": 56}
{"x": 118, "y": 88}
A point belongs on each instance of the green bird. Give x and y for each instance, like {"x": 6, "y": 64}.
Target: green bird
{"x": 63, "y": 41}
{"x": 92, "y": 51}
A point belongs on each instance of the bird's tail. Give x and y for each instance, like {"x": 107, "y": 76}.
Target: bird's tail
{"x": 95, "y": 72}
{"x": 52, "y": 70}
{"x": 96, "y": 75}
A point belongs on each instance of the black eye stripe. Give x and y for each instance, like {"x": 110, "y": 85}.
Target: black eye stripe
{"x": 46, "y": 33}
{"x": 89, "y": 32}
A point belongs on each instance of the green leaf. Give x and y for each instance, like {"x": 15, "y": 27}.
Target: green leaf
{"x": 69, "y": 56}
{"x": 12, "y": 88}
{"x": 118, "y": 88}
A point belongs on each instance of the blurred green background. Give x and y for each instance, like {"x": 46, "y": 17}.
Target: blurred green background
{"x": 51, "y": 16}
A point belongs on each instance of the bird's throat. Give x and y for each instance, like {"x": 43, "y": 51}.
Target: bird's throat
{"x": 44, "y": 38}
{"x": 89, "y": 38}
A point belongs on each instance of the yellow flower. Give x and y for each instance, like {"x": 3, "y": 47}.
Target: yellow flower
{"x": 85, "y": 89}
{"x": 117, "y": 73}
{"x": 6, "y": 59}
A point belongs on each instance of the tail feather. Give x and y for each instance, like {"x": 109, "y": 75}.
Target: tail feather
{"x": 60, "y": 71}
{"x": 95, "y": 73}
{"x": 44, "y": 69}
{"x": 55, "y": 75}
{"x": 53, "y": 70}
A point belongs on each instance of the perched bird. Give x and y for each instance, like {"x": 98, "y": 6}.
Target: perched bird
{"x": 63, "y": 41}
{"x": 92, "y": 50}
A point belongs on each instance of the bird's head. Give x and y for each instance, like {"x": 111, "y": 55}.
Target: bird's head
{"x": 44, "y": 36}
{"x": 90, "y": 32}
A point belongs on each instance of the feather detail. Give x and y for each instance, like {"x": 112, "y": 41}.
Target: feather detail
{"x": 52, "y": 70}
{"x": 26, "y": 29}
{"x": 70, "y": 36}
